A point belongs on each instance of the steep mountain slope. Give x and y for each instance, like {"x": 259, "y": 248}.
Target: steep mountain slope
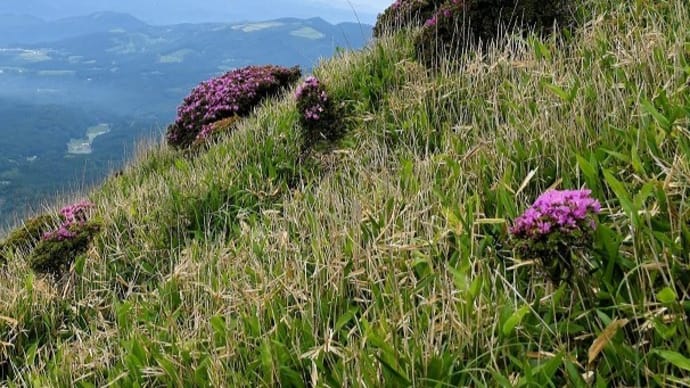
{"x": 386, "y": 259}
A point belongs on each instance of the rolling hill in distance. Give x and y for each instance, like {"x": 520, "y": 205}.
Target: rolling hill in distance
{"x": 59, "y": 78}
{"x": 174, "y": 11}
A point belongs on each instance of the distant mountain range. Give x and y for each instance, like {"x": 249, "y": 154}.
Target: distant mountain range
{"x": 59, "y": 78}
{"x": 77, "y": 58}
{"x": 175, "y": 11}
{"x": 20, "y": 29}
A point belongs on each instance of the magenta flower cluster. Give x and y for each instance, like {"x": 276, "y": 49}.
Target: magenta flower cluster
{"x": 406, "y": 4}
{"x": 446, "y": 11}
{"x": 312, "y": 90}
{"x": 319, "y": 116}
{"x": 72, "y": 215}
{"x": 206, "y": 131}
{"x": 235, "y": 93}
{"x": 562, "y": 211}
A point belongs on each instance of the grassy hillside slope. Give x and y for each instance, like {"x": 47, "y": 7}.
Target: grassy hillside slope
{"x": 387, "y": 261}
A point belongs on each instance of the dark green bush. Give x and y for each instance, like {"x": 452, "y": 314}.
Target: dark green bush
{"x": 459, "y": 25}
{"x": 319, "y": 116}
{"x": 54, "y": 256}
{"x": 405, "y": 13}
{"x": 26, "y": 236}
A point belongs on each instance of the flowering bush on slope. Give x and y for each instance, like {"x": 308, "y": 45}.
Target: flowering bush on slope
{"x": 559, "y": 223}
{"x": 405, "y": 13}
{"x": 318, "y": 114}
{"x": 73, "y": 216}
{"x": 235, "y": 93}
{"x": 59, "y": 247}
{"x": 459, "y": 24}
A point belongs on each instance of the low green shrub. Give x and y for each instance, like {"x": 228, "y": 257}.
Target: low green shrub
{"x": 462, "y": 24}
{"x": 54, "y": 256}
{"x": 57, "y": 248}
{"x": 235, "y": 93}
{"x": 26, "y": 236}
{"x": 319, "y": 115}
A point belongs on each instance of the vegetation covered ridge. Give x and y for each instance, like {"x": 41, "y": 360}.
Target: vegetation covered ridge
{"x": 509, "y": 210}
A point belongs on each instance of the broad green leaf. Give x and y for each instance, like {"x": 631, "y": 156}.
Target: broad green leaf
{"x": 576, "y": 379}
{"x": 514, "y": 320}
{"x": 555, "y": 89}
{"x": 501, "y": 380}
{"x": 547, "y": 369}
{"x": 540, "y": 50}
{"x": 31, "y": 354}
{"x": 648, "y": 107}
{"x": 459, "y": 279}
{"x": 636, "y": 161}
{"x": 201, "y": 373}
{"x": 345, "y": 318}
{"x": 219, "y": 329}
{"x": 665, "y": 331}
{"x": 588, "y": 170}
{"x": 645, "y": 192}
{"x": 618, "y": 155}
{"x": 620, "y": 191}
{"x": 137, "y": 354}
{"x": 218, "y": 325}
{"x": 397, "y": 375}
{"x": 674, "y": 358}
{"x": 667, "y": 295}
{"x": 168, "y": 366}
{"x": 122, "y": 314}
{"x": 79, "y": 263}
{"x": 267, "y": 358}
{"x": 476, "y": 287}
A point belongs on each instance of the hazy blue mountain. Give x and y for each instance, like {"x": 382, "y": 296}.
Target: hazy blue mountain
{"x": 130, "y": 60}
{"x": 114, "y": 69}
{"x": 28, "y": 29}
{"x": 175, "y": 11}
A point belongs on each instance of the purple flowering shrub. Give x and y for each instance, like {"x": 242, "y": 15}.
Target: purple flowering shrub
{"x": 72, "y": 217}
{"x": 319, "y": 117}
{"x": 58, "y": 247}
{"x": 458, "y": 25}
{"x": 405, "y": 13}
{"x": 235, "y": 93}
{"x": 558, "y": 224}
